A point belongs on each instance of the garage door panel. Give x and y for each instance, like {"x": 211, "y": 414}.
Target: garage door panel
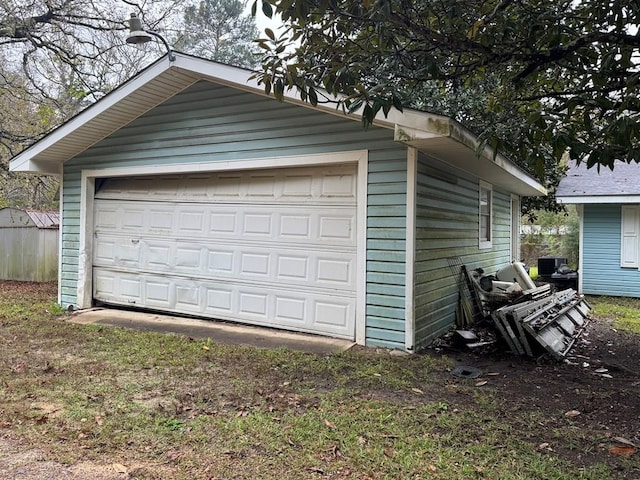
{"x": 300, "y": 309}
{"x": 268, "y": 247}
{"x": 121, "y": 251}
{"x": 304, "y": 225}
{"x": 336, "y": 228}
{"x": 335, "y": 184}
{"x": 289, "y": 265}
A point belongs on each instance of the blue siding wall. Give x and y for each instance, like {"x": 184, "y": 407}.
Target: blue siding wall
{"x": 600, "y": 270}
{"x": 447, "y": 226}
{"x": 209, "y": 123}
{"x": 386, "y": 245}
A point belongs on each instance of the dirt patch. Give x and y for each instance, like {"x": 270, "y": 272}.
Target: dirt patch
{"x": 21, "y": 462}
{"x": 597, "y": 389}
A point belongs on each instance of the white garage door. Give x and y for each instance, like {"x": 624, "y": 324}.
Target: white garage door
{"x": 268, "y": 247}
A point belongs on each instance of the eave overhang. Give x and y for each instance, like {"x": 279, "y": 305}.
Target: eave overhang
{"x": 593, "y": 199}
{"x": 435, "y": 135}
{"x": 447, "y": 140}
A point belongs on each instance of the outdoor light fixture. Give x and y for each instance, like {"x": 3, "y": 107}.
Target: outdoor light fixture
{"x": 139, "y": 36}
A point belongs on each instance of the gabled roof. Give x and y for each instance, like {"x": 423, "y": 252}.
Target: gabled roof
{"x": 603, "y": 185}
{"x": 434, "y": 135}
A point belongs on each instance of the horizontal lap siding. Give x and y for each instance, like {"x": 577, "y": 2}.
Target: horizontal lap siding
{"x": 70, "y": 236}
{"x": 447, "y": 226}
{"x": 601, "y": 271}
{"x": 386, "y": 241}
{"x": 209, "y": 123}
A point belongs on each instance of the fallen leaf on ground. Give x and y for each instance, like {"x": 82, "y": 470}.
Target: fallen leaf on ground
{"x": 417, "y": 390}
{"x": 622, "y": 450}
{"x": 329, "y": 424}
{"x": 572, "y": 413}
{"x": 481, "y": 383}
{"x": 119, "y": 468}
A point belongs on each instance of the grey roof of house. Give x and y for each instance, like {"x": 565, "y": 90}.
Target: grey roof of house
{"x": 580, "y": 181}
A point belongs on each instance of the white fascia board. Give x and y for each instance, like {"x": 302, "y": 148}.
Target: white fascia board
{"x": 415, "y": 126}
{"x": 219, "y": 73}
{"x": 22, "y": 161}
{"x": 467, "y": 138}
{"x": 32, "y": 166}
{"x": 239, "y": 78}
{"x": 440, "y": 134}
{"x": 583, "y": 199}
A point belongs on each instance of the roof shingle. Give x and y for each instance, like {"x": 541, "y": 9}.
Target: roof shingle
{"x": 580, "y": 181}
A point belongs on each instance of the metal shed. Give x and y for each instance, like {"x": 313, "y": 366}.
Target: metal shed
{"x": 28, "y": 245}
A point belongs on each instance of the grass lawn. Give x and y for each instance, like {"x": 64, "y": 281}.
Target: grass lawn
{"x": 154, "y": 406}
{"x": 624, "y": 312}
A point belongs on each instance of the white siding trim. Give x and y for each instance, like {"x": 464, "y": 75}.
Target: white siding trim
{"x": 629, "y": 236}
{"x": 514, "y": 245}
{"x": 485, "y": 244}
{"x": 84, "y": 287}
{"x": 361, "y": 248}
{"x": 599, "y": 199}
{"x": 360, "y": 157}
{"x": 580, "y": 211}
{"x": 409, "y": 295}
{"x": 60, "y": 229}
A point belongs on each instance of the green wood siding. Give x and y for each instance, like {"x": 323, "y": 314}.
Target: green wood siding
{"x": 210, "y": 123}
{"x": 447, "y": 226}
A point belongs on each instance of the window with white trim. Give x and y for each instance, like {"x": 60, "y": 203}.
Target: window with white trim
{"x": 485, "y": 215}
{"x": 630, "y": 236}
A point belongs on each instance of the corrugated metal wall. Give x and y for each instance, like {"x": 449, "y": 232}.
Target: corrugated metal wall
{"x": 447, "y": 226}
{"x": 209, "y": 123}
{"x": 600, "y": 269}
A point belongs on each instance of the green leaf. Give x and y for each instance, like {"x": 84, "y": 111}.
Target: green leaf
{"x": 313, "y": 97}
{"x": 278, "y": 89}
{"x": 267, "y": 9}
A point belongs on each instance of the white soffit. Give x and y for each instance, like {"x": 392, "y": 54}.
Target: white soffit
{"x": 584, "y": 199}
{"x": 434, "y": 135}
{"x": 149, "y": 89}
{"x": 448, "y": 141}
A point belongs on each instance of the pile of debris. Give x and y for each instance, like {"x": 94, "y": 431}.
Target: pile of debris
{"x": 526, "y": 316}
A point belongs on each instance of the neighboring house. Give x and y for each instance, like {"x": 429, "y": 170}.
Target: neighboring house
{"x": 28, "y": 245}
{"x": 608, "y": 204}
{"x": 188, "y": 190}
